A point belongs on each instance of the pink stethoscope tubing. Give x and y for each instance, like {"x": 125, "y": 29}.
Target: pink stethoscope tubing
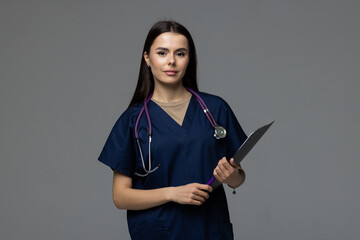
{"x": 220, "y": 132}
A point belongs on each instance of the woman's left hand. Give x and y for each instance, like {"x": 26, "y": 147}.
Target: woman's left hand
{"x": 228, "y": 172}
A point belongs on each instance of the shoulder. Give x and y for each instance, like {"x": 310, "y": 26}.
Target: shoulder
{"x": 211, "y": 97}
{"x": 213, "y": 100}
{"x": 129, "y": 116}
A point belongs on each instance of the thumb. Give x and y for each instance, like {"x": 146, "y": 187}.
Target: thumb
{"x": 234, "y": 164}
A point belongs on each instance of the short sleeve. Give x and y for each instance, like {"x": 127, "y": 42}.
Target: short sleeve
{"x": 118, "y": 152}
{"x": 235, "y": 134}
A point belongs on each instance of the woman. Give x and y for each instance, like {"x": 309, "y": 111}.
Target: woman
{"x": 163, "y": 150}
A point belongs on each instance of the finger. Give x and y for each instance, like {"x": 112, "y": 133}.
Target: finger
{"x": 218, "y": 174}
{"x": 196, "y": 202}
{"x": 225, "y": 165}
{"x": 222, "y": 167}
{"x": 205, "y": 187}
{"x": 201, "y": 195}
{"x": 197, "y": 198}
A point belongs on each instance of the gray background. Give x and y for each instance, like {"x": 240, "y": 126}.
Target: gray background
{"x": 69, "y": 68}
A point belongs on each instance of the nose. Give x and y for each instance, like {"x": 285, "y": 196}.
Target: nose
{"x": 172, "y": 59}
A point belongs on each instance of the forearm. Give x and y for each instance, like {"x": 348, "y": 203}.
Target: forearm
{"x": 135, "y": 199}
{"x": 126, "y": 197}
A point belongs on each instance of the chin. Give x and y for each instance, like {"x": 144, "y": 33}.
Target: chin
{"x": 171, "y": 82}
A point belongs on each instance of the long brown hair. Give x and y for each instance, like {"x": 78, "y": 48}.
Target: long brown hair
{"x": 145, "y": 84}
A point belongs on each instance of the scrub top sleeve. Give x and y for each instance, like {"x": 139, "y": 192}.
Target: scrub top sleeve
{"x": 118, "y": 152}
{"x": 235, "y": 134}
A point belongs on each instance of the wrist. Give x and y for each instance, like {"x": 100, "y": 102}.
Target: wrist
{"x": 169, "y": 194}
{"x": 238, "y": 179}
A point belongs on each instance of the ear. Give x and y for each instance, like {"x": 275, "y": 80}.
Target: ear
{"x": 147, "y": 59}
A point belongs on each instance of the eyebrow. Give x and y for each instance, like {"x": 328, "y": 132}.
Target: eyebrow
{"x": 166, "y": 49}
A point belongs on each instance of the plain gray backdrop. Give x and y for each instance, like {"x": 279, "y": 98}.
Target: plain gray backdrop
{"x": 68, "y": 70}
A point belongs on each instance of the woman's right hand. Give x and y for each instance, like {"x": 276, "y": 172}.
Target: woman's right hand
{"x": 125, "y": 197}
{"x": 193, "y": 193}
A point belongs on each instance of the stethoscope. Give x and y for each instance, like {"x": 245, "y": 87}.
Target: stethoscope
{"x": 220, "y": 132}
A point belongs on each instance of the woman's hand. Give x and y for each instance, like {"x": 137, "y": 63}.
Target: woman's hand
{"x": 228, "y": 172}
{"x": 125, "y": 197}
{"x": 193, "y": 193}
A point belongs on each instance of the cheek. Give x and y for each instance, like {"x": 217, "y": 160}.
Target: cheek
{"x": 182, "y": 62}
{"x": 157, "y": 61}
{"x": 185, "y": 65}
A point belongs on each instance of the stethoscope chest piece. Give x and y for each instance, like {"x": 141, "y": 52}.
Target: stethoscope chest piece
{"x": 220, "y": 132}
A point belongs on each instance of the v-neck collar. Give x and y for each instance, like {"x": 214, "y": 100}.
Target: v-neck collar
{"x": 169, "y": 121}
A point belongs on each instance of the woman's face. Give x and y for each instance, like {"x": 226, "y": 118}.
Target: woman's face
{"x": 168, "y": 58}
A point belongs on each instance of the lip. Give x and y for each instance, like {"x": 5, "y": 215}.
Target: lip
{"x": 170, "y": 72}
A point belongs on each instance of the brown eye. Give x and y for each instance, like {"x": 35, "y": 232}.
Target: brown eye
{"x": 180, "y": 54}
{"x": 161, "y": 53}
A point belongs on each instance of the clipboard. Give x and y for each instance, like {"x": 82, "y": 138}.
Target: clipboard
{"x": 244, "y": 149}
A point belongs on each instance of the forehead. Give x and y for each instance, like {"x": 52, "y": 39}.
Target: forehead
{"x": 170, "y": 40}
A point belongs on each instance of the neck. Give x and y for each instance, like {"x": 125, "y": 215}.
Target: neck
{"x": 169, "y": 94}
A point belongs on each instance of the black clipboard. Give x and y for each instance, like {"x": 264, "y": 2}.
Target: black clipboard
{"x": 244, "y": 149}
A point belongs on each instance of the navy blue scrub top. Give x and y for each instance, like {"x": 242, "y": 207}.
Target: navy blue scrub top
{"x": 187, "y": 154}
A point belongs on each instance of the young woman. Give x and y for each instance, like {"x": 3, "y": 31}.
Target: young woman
{"x": 163, "y": 149}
